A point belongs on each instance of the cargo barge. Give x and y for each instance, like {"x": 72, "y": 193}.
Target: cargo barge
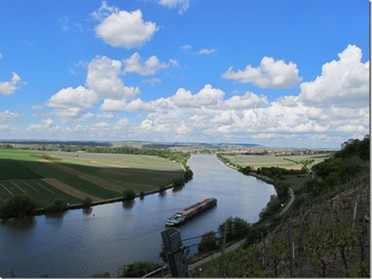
{"x": 187, "y": 213}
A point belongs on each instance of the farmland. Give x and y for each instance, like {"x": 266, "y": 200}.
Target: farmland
{"x": 295, "y": 162}
{"x": 73, "y": 176}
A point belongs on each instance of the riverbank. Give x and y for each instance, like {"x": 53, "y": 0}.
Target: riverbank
{"x": 109, "y": 236}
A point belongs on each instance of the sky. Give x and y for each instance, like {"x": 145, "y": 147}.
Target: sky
{"x": 279, "y": 73}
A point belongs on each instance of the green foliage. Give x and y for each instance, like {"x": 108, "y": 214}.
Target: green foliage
{"x": 188, "y": 174}
{"x": 355, "y": 147}
{"x": 246, "y": 170}
{"x": 236, "y": 228}
{"x": 139, "y": 269}
{"x": 102, "y": 275}
{"x": 346, "y": 163}
{"x": 163, "y": 254}
{"x": 272, "y": 207}
{"x": 208, "y": 242}
{"x": 57, "y": 205}
{"x": 128, "y": 195}
{"x": 277, "y": 173}
{"x": 173, "y": 156}
{"x": 17, "y": 206}
{"x": 87, "y": 202}
{"x": 45, "y": 156}
{"x": 178, "y": 181}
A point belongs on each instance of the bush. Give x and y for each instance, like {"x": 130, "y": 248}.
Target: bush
{"x": 129, "y": 195}
{"x": 102, "y": 275}
{"x": 18, "y": 206}
{"x": 236, "y": 227}
{"x": 139, "y": 269}
{"x": 179, "y": 181}
{"x": 57, "y": 205}
{"x": 208, "y": 242}
{"x": 188, "y": 175}
{"x": 87, "y": 202}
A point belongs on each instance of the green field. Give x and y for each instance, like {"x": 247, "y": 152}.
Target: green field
{"x": 287, "y": 162}
{"x": 46, "y": 176}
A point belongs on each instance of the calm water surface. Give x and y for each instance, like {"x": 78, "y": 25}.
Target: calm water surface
{"x": 82, "y": 243}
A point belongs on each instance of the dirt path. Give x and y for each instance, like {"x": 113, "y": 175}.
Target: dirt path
{"x": 68, "y": 189}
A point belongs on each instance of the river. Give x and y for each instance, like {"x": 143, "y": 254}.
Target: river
{"x": 81, "y": 243}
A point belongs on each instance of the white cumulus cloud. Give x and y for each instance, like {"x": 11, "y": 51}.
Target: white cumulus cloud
{"x": 103, "y": 78}
{"x": 270, "y": 74}
{"x": 9, "y": 87}
{"x": 343, "y": 82}
{"x": 120, "y": 28}
{"x": 181, "y": 5}
{"x": 148, "y": 67}
{"x": 70, "y": 103}
{"x": 206, "y": 96}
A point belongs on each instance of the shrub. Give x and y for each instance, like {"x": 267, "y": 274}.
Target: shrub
{"x": 57, "y": 205}
{"x": 188, "y": 175}
{"x": 87, "y": 202}
{"x": 236, "y": 227}
{"x": 129, "y": 195}
{"x": 179, "y": 181}
{"x": 102, "y": 275}
{"x": 139, "y": 269}
{"x": 208, "y": 242}
{"x": 18, "y": 206}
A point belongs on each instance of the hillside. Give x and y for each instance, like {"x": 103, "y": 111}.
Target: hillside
{"x": 328, "y": 225}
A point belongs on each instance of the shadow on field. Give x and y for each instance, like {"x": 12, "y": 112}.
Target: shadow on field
{"x": 78, "y": 181}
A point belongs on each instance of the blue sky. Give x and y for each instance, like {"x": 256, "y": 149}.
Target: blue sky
{"x": 282, "y": 73}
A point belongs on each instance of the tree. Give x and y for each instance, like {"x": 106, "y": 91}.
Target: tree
{"x": 128, "y": 195}
{"x": 236, "y": 227}
{"x": 87, "y": 202}
{"x": 179, "y": 181}
{"x": 188, "y": 174}
{"x": 18, "y": 206}
{"x": 208, "y": 242}
{"x": 57, "y": 205}
{"x": 139, "y": 269}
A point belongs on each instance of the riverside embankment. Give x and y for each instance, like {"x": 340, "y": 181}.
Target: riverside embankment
{"x": 81, "y": 243}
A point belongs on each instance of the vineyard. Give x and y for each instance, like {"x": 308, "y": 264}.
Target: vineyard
{"x": 326, "y": 233}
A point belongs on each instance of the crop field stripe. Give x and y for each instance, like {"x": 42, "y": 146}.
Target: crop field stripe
{"x": 89, "y": 188}
{"x": 19, "y": 188}
{"x": 105, "y": 183}
{"x": 66, "y": 188}
{"x": 35, "y": 190}
{"x": 43, "y": 186}
{"x": 6, "y": 189}
{"x": 54, "y": 193}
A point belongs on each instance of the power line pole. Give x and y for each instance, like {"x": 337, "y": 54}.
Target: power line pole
{"x": 175, "y": 253}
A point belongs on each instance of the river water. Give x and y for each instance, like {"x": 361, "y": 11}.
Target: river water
{"x": 82, "y": 243}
